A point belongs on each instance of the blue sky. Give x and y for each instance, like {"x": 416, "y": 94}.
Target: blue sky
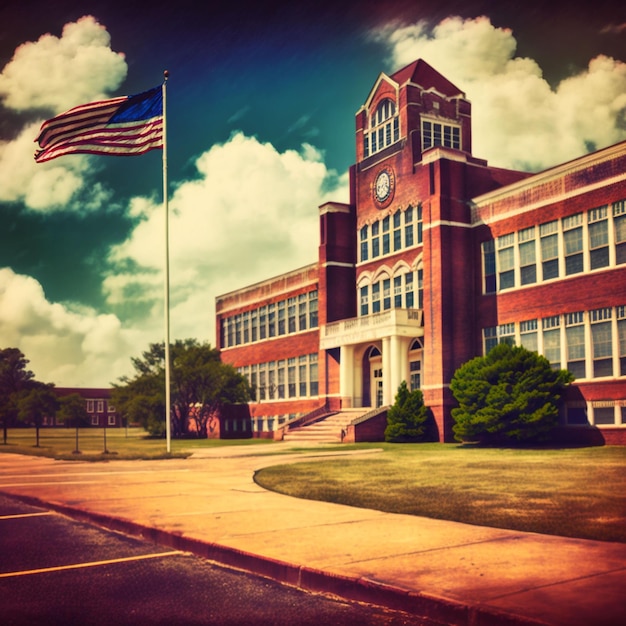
{"x": 261, "y": 105}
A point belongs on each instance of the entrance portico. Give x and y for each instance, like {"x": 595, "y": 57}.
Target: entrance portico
{"x": 374, "y": 354}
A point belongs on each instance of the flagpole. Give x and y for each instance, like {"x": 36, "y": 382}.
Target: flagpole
{"x": 168, "y": 404}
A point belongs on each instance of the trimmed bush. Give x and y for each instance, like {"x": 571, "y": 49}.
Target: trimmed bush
{"x": 511, "y": 395}
{"x": 407, "y": 418}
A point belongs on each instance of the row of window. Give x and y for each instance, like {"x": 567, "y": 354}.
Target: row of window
{"x": 99, "y": 406}
{"x": 392, "y": 233}
{"x": 384, "y": 128}
{"x": 572, "y": 245}
{"x": 285, "y": 317}
{"x": 296, "y": 377}
{"x": 408, "y": 293}
{"x": 590, "y": 344}
{"x": 599, "y": 413}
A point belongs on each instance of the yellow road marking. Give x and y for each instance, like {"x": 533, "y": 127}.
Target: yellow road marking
{"x": 60, "y": 568}
{"x": 20, "y": 515}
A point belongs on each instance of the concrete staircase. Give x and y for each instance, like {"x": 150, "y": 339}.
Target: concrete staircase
{"x": 326, "y": 430}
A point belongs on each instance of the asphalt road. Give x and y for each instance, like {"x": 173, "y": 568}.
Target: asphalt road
{"x": 54, "y": 570}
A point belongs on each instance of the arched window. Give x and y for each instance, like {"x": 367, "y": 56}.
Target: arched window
{"x": 384, "y": 128}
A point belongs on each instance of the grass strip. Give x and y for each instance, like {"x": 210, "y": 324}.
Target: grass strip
{"x": 571, "y": 492}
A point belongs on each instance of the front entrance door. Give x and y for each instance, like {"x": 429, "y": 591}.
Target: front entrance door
{"x": 376, "y": 382}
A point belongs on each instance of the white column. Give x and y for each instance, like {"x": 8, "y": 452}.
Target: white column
{"x": 346, "y": 376}
{"x": 395, "y": 375}
{"x": 387, "y": 389}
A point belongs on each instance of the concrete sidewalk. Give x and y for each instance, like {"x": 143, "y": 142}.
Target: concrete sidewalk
{"x": 450, "y": 572}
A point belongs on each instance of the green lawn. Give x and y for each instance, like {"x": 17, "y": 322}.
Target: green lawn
{"x": 60, "y": 443}
{"x": 573, "y": 492}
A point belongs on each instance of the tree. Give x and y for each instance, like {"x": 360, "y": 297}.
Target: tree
{"x": 74, "y": 413}
{"x": 407, "y": 418}
{"x": 14, "y": 377}
{"x": 511, "y": 395}
{"x": 35, "y": 403}
{"x": 200, "y": 385}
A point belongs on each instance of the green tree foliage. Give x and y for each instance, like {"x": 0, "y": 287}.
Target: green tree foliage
{"x": 511, "y": 395}
{"x": 35, "y": 403}
{"x": 73, "y": 412}
{"x": 14, "y": 378}
{"x": 407, "y": 418}
{"x": 200, "y": 386}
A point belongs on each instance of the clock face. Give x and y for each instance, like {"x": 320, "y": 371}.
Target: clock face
{"x": 384, "y": 186}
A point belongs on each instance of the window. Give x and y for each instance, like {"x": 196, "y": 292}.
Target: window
{"x": 90, "y": 406}
{"x": 386, "y": 294}
{"x": 100, "y": 406}
{"x": 111, "y": 420}
{"x": 490, "y": 337}
{"x": 420, "y": 289}
{"x": 619, "y": 226}
{"x": 254, "y": 325}
{"x": 408, "y": 227}
{"x": 246, "y": 327}
{"x": 364, "y": 300}
{"x": 302, "y": 367}
{"x": 271, "y": 320}
{"x": 291, "y": 315}
{"x": 551, "y": 327}
{"x": 313, "y": 309}
{"x": 528, "y": 335}
{"x": 506, "y": 333}
{"x": 386, "y": 235}
{"x": 549, "y": 243}
{"x": 408, "y": 290}
{"x": 598, "y": 238}
{"x": 376, "y": 298}
{"x": 575, "y": 342}
{"x": 302, "y": 311}
{"x": 375, "y": 240}
{"x": 291, "y": 377}
{"x": 262, "y": 322}
{"x": 438, "y": 134}
{"x": 363, "y": 236}
{"x": 573, "y": 242}
{"x": 528, "y": 267}
{"x": 419, "y": 224}
{"x": 397, "y": 231}
{"x": 384, "y": 128}
{"x": 313, "y": 379}
{"x": 621, "y": 332}
{"x": 602, "y": 343}
{"x": 281, "y": 318}
{"x": 604, "y": 415}
{"x": 506, "y": 261}
{"x": 281, "y": 380}
{"x": 489, "y": 266}
{"x": 415, "y": 373}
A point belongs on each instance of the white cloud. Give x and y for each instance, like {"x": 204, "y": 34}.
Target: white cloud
{"x": 59, "y": 73}
{"x": 56, "y": 74}
{"x": 519, "y": 121}
{"x": 250, "y": 214}
{"x": 70, "y": 346}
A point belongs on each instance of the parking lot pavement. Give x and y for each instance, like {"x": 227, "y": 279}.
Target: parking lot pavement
{"x": 55, "y": 570}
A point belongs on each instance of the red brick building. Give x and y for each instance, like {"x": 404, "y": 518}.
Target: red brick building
{"x": 97, "y": 404}
{"x": 436, "y": 258}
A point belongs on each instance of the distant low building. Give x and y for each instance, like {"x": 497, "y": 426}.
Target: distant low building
{"x": 97, "y": 403}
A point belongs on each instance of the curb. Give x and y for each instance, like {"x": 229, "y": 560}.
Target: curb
{"x": 420, "y": 604}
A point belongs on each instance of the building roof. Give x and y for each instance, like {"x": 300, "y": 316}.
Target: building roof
{"x": 422, "y": 74}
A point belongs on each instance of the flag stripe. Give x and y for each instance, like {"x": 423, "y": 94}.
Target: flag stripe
{"x": 125, "y": 126}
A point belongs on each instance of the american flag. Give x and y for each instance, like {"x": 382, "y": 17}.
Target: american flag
{"x": 123, "y": 126}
